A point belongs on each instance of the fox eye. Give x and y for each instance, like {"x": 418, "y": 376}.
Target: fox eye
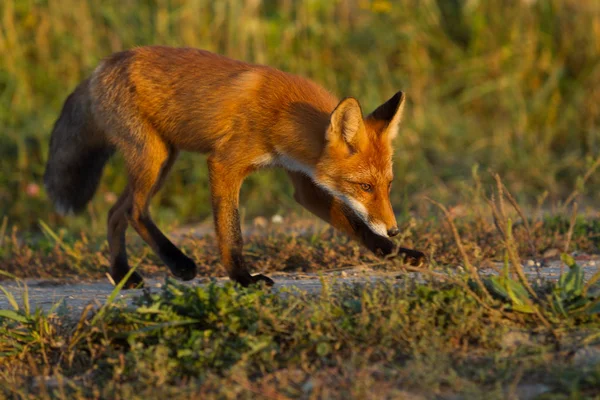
{"x": 366, "y": 187}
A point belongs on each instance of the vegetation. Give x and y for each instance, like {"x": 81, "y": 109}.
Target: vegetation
{"x": 382, "y": 340}
{"x": 509, "y": 85}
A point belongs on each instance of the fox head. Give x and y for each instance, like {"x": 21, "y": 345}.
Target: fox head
{"x": 356, "y": 163}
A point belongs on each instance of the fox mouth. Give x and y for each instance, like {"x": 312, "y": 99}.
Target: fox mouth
{"x": 379, "y": 228}
{"x": 358, "y": 209}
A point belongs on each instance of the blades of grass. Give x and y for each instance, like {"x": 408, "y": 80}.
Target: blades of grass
{"x": 504, "y": 225}
{"x": 585, "y": 178}
{"x": 496, "y": 288}
{"x": 8, "y": 274}
{"x": 500, "y": 188}
{"x": 26, "y": 305}
{"x": 114, "y": 294}
{"x": 510, "y": 290}
{"x": 458, "y": 282}
{"x": 519, "y": 297}
{"x": 571, "y": 283}
{"x": 570, "y": 231}
{"x": 519, "y": 211}
{"x": 515, "y": 259}
{"x": 593, "y": 307}
{"x": 591, "y": 338}
{"x": 472, "y": 270}
{"x": 3, "y": 230}
{"x": 595, "y": 278}
{"x": 67, "y": 249}
{"x": 168, "y": 324}
{"x": 79, "y": 332}
{"x": 56, "y": 306}
{"x": 10, "y": 298}
{"x": 518, "y": 268}
{"x": 14, "y": 315}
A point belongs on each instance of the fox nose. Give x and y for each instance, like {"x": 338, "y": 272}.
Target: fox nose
{"x": 393, "y": 231}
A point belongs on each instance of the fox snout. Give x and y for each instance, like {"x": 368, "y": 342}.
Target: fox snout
{"x": 387, "y": 218}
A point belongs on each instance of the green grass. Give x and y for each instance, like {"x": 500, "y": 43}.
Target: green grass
{"x": 382, "y": 340}
{"x": 508, "y": 85}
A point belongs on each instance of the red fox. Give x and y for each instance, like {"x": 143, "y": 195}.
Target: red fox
{"x": 150, "y": 103}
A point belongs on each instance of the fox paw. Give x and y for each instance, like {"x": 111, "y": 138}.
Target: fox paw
{"x": 184, "y": 269}
{"x": 135, "y": 281}
{"x": 411, "y": 257}
{"x": 262, "y": 278}
{"x": 246, "y": 280}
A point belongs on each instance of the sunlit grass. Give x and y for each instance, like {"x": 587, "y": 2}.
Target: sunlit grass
{"x": 511, "y": 86}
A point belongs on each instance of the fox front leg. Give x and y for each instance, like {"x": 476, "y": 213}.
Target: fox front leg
{"x": 225, "y": 184}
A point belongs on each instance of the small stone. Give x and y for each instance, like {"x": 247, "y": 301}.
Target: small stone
{"x": 49, "y": 382}
{"x": 515, "y": 339}
{"x": 531, "y": 390}
{"x": 277, "y": 219}
{"x": 110, "y": 197}
{"x": 587, "y": 357}
{"x": 308, "y": 386}
{"x": 32, "y": 190}
{"x": 551, "y": 253}
{"x": 530, "y": 263}
{"x": 260, "y": 222}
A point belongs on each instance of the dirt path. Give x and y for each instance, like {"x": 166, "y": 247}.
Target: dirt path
{"x": 74, "y": 296}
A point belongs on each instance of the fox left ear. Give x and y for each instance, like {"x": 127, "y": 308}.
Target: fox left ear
{"x": 346, "y": 123}
{"x": 390, "y": 114}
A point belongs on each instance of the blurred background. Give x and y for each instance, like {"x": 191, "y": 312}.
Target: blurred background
{"x": 509, "y": 86}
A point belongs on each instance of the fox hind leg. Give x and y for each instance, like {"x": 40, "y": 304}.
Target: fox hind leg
{"x": 148, "y": 163}
{"x": 117, "y": 227}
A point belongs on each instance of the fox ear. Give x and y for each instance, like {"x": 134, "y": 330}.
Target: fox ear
{"x": 346, "y": 123}
{"x": 390, "y": 114}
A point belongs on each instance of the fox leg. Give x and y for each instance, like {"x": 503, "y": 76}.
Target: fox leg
{"x": 117, "y": 226}
{"x": 225, "y": 183}
{"x": 147, "y": 165}
{"x": 164, "y": 172}
{"x": 340, "y": 216}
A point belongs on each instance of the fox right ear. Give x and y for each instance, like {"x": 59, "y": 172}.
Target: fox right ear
{"x": 346, "y": 123}
{"x": 390, "y": 114}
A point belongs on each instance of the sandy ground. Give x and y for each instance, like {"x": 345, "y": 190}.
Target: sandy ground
{"x": 74, "y": 296}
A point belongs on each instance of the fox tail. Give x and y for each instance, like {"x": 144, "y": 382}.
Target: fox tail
{"x": 77, "y": 154}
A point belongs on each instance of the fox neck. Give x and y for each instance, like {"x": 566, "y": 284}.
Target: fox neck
{"x": 306, "y": 150}
{"x": 303, "y": 153}
{"x": 302, "y": 131}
